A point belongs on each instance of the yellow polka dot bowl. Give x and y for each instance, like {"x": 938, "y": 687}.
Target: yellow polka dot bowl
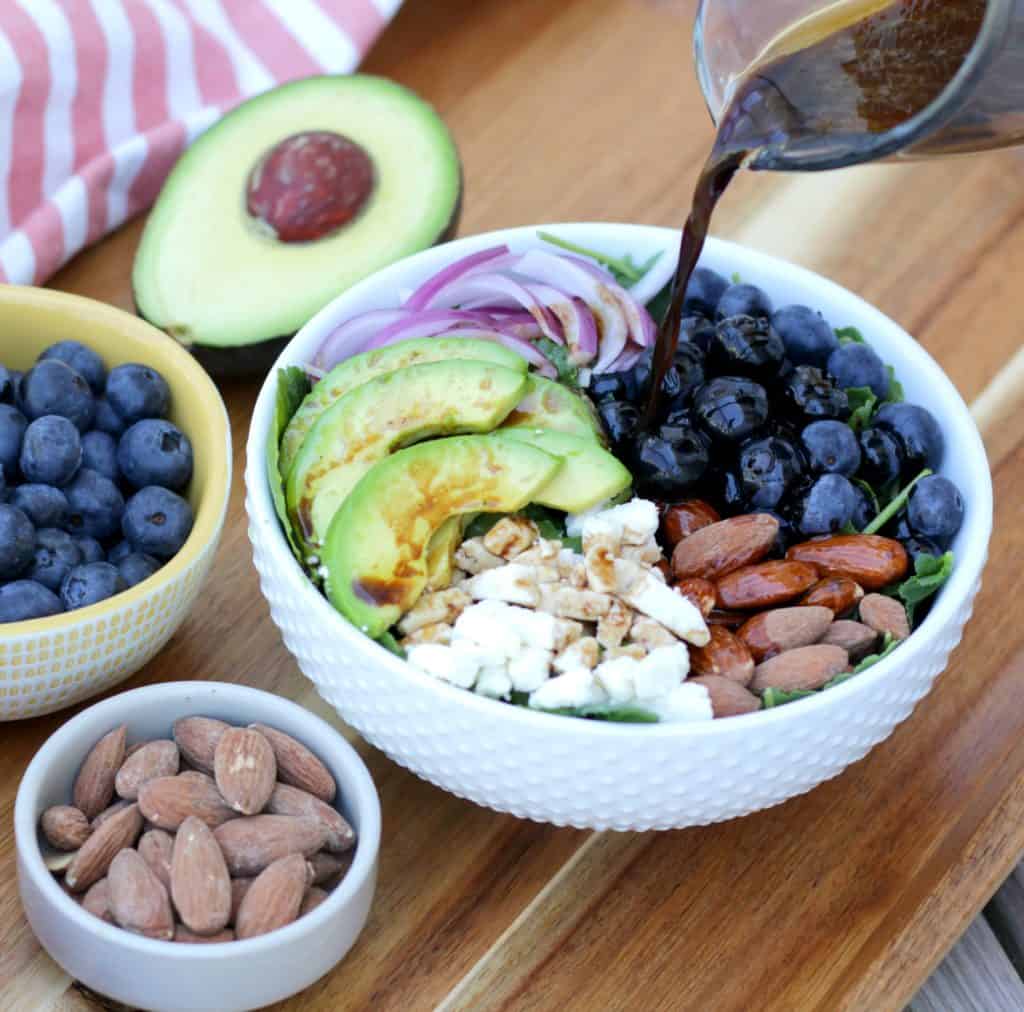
{"x": 50, "y": 663}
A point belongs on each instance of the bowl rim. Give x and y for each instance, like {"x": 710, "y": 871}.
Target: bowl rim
{"x": 362, "y": 868}
{"x": 212, "y": 509}
{"x": 966, "y": 573}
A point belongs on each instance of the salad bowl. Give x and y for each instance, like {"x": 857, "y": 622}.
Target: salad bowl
{"x": 598, "y": 774}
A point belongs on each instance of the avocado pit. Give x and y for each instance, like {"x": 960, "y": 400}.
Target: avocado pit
{"x": 309, "y": 185}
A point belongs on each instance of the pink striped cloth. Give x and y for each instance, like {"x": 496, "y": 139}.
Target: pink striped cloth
{"x": 98, "y": 98}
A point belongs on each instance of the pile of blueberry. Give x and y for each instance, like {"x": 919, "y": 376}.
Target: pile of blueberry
{"x": 90, "y": 476}
{"x": 758, "y": 415}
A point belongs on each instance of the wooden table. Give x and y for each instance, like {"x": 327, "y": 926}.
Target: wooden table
{"x": 842, "y": 899}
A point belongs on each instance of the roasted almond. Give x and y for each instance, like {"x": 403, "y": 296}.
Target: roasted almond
{"x": 65, "y": 827}
{"x": 327, "y": 866}
{"x": 857, "y": 639}
{"x": 728, "y": 698}
{"x": 683, "y": 519}
{"x": 274, "y": 898}
{"x": 97, "y": 901}
{"x": 313, "y": 898}
{"x": 239, "y": 887}
{"x": 803, "y": 668}
{"x": 839, "y": 594}
{"x": 94, "y": 785}
{"x": 245, "y": 769}
{"x": 885, "y": 615}
{"x": 197, "y": 739}
{"x": 138, "y": 900}
{"x": 724, "y": 656}
{"x": 94, "y": 857}
{"x": 700, "y": 593}
{"x": 118, "y": 806}
{"x": 168, "y": 801}
{"x": 774, "y": 632}
{"x": 58, "y": 861}
{"x": 252, "y": 843}
{"x": 722, "y": 547}
{"x": 297, "y": 765}
{"x": 186, "y": 937}
{"x": 156, "y": 847}
{"x": 158, "y": 758}
{"x": 728, "y": 619}
{"x": 200, "y": 884}
{"x": 872, "y": 561}
{"x": 765, "y": 584}
{"x": 288, "y": 800}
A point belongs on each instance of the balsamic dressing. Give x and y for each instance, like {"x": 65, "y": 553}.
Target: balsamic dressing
{"x": 830, "y": 83}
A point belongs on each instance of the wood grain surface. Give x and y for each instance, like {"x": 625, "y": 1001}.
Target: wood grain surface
{"x": 843, "y": 899}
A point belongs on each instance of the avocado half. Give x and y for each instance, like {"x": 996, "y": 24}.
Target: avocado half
{"x": 292, "y": 198}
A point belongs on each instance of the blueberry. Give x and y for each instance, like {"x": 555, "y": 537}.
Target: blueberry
{"x": 831, "y": 447}
{"x": 668, "y": 468}
{"x": 25, "y": 599}
{"x": 99, "y": 453}
{"x": 743, "y": 300}
{"x": 767, "y": 469}
{"x": 12, "y": 430}
{"x": 809, "y": 395}
{"x": 881, "y": 457}
{"x": 916, "y": 547}
{"x": 704, "y": 290}
{"x": 726, "y": 489}
{"x": 935, "y": 510}
{"x": 744, "y": 346}
{"x": 120, "y": 551}
{"x": 828, "y": 506}
{"x": 51, "y": 452}
{"x": 82, "y": 359}
{"x": 6, "y": 386}
{"x": 857, "y": 365}
{"x": 808, "y": 338}
{"x": 90, "y": 584}
{"x": 689, "y": 365}
{"x": 864, "y": 512}
{"x": 96, "y": 505}
{"x": 44, "y": 505}
{"x": 137, "y": 391}
{"x": 92, "y": 550}
{"x": 56, "y": 554}
{"x": 608, "y": 386}
{"x": 157, "y": 521}
{"x": 696, "y": 330}
{"x": 730, "y": 408}
{"x": 53, "y": 388}
{"x": 17, "y": 541}
{"x": 786, "y": 536}
{"x": 137, "y": 567}
{"x": 918, "y": 433}
{"x": 107, "y": 419}
{"x": 621, "y": 421}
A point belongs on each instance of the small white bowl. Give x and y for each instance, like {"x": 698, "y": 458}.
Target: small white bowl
{"x": 178, "y": 977}
{"x": 621, "y": 776}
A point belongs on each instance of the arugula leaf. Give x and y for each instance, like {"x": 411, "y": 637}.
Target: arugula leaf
{"x": 771, "y": 698}
{"x": 930, "y": 573}
{"x": 292, "y": 387}
{"x": 558, "y": 356}
{"x": 549, "y": 523}
{"x": 896, "y": 395}
{"x": 481, "y": 524}
{"x": 894, "y": 506}
{"x": 863, "y": 402}
{"x": 606, "y": 711}
{"x": 735, "y": 278}
{"x": 388, "y": 642}
{"x": 625, "y": 269}
{"x": 658, "y": 306}
{"x": 575, "y": 543}
{"x": 888, "y": 646}
{"x": 850, "y": 335}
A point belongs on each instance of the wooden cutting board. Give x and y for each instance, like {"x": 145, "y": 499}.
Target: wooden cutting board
{"x": 843, "y": 899}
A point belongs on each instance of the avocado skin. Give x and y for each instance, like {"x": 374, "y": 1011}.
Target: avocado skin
{"x": 245, "y": 361}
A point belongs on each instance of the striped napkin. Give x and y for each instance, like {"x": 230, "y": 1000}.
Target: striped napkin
{"x": 98, "y": 98}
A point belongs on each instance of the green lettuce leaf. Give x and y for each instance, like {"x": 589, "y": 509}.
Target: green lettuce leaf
{"x": 930, "y": 573}
{"x": 771, "y": 698}
{"x": 850, "y": 335}
{"x": 658, "y": 306}
{"x": 292, "y": 386}
{"x": 624, "y": 269}
{"x": 895, "y": 387}
{"x": 558, "y": 356}
{"x": 862, "y": 403}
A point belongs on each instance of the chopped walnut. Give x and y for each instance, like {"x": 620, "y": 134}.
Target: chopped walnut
{"x": 474, "y": 558}
{"x": 438, "y": 632}
{"x": 585, "y": 653}
{"x": 513, "y": 583}
{"x": 568, "y": 602}
{"x": 442, "y": 606}
{"x": 572, "y": 568}
{"x": 651, "y": 634}
{"x": 546, "y": 574}
{"x": 567, "y": 631}
{"x": 599, "y": 560}
{"x": 511, "y": 536}
{"x": 648, "y": 553}
{"x": 543, "y": 551}
{"x": 613, "y": 627}
{"x": 636, "y": 651}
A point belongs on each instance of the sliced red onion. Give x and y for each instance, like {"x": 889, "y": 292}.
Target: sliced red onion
{"x": 423, "y": 296}
{"x": 629, "y": 357}
{"x": 427, "y": 323}
{"x": 578, "y": 324}
{"x": 517, "y": 322}
{"x": 348, "y": 338}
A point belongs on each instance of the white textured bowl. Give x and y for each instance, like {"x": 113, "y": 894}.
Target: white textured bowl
{"x": 609, "y": 776}
{"x": 173, "y": 977}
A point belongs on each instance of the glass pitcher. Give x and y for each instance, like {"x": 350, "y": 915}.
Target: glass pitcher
{"x": 980, "y": 109}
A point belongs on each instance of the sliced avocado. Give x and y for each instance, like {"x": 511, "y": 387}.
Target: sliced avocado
{"x": 589, "y": 474}
{"x": 393, "y": 410}
{"x": 291, "y": 198}
{"x": 359, "y": 369}
{"x": 292, "y": 387}
{"x": 376, "y": 548}
{"x": 441, "y": 553}
{"x": 549, "y": 405}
